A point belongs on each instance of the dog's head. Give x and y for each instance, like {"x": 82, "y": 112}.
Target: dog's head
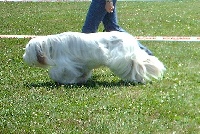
{"x": 36, "y": 52}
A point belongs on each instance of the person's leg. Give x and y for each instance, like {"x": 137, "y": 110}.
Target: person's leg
{"x": 94, "y": 16}
{"x": 110, "y": 21}
{"x": 145, "y": 49}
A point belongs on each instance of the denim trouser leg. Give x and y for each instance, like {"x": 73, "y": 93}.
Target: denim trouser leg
{"x": 96, "y": 14}
{"x": 145, "y": 49}
{"x": 110, "y": 21}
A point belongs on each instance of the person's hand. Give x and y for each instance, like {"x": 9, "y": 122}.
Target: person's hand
{"x": 109, "y": 6}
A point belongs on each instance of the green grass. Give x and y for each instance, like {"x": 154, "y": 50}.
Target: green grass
{"x": 31, "y": 103}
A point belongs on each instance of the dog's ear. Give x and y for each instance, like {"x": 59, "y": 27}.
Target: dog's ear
{"x": 40, "y": 53}
{"x": 45, "y": 56}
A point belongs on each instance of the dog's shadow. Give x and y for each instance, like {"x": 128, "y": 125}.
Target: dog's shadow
{"x": 89, "y": 84}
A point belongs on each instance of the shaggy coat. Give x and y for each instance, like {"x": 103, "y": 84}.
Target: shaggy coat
{"x": 71, "y": 56}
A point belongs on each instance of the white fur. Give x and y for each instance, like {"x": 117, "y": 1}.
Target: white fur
{"x": 71, "y": 56}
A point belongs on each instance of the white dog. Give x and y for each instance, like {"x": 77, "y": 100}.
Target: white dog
{"x": 71, "y": 56}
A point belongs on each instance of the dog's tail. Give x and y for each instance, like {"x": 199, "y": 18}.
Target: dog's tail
{"x": 146, "y": 67}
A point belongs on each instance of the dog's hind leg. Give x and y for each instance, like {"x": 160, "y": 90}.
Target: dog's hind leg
{"x": 123, "y": 68}
{"x": 138, "y": 70}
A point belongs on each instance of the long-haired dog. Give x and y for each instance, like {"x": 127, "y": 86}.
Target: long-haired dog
{"x": 71, "y": 56}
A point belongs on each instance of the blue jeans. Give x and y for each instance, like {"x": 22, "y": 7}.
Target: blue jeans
{"x": 97, "y": 14}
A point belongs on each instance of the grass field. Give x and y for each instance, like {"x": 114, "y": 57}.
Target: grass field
{"x": 31, "y": 103}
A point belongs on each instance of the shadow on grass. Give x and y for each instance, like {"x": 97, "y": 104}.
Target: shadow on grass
{"x": 89, "y": 84}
